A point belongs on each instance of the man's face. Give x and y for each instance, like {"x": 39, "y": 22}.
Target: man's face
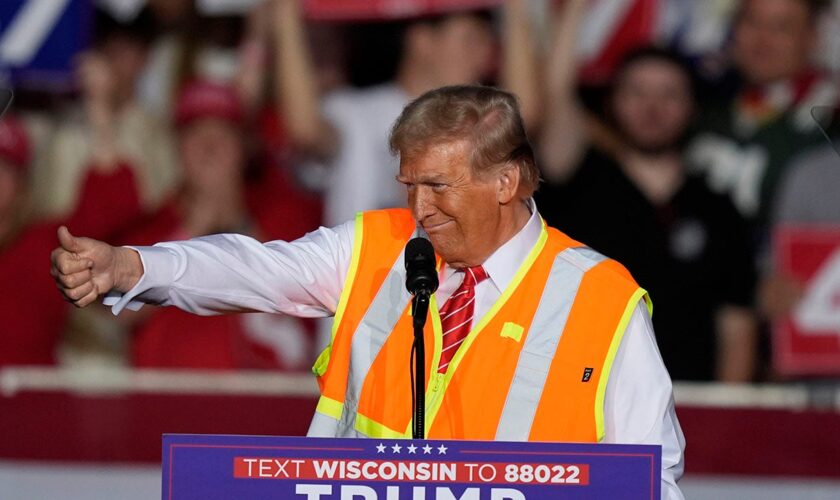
{"x": 773, "y": 39}
{"x": 211, "y": 154}
{"x": 459, "y": 50}
{"x": 652, "y": 104}
{"x": 458, "y": 209}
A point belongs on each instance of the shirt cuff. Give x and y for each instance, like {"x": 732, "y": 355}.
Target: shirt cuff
{"x": 159, "y": 269}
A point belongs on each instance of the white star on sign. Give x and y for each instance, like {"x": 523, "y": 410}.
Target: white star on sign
{"x": 427, "y": 450}
{"x": 396, "y": 448}
{"x": 441, "y": 450}
{"x": 411, "y": 449}
{"x": 380, "y": 448}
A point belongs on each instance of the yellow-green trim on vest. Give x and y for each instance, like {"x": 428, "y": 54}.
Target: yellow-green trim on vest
{"x": 610, "y": 359}
{"x": 371, "y": 428}
{"x": 437, "y": 388}
{"x": 320, "y": 366}
{"x": 358, "y": 235}
{"x": 329, "y": 407}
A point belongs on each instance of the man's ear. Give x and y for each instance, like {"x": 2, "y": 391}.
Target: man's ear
{"x": 508, "y": 183}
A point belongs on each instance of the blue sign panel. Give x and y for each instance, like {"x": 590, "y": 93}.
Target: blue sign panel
{"x": 262, "y": 467}
{"x": 39, "y": 40}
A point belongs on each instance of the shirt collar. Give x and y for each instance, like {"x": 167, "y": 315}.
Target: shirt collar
{"x": 502, "y": 265}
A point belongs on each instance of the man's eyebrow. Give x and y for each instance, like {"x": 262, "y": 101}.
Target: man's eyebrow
{"x": 427, "y": 179}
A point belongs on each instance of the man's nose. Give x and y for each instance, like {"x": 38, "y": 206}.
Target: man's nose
{"x": 419, "y": 201}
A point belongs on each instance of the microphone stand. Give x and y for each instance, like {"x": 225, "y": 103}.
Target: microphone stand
{"x": 419, "y": 311}
{"x": 421, "y": 280}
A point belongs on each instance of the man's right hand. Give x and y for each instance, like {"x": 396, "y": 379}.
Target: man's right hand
{"x": 84, "y": 268}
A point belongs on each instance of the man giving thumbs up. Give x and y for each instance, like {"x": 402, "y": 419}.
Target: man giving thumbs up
{"x": 84, "y": 268}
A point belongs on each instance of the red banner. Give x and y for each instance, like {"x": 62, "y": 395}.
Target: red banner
{"x": 807, "y": 342}
{"x": 410, "y": 470}
{"x": 358, "y": 10}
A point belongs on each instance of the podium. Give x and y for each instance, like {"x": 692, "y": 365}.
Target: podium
{"x": 266, "y": 467}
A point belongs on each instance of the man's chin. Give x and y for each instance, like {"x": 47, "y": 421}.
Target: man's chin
{"x": 441, "y": 245}
{"x": 437, "y": 242}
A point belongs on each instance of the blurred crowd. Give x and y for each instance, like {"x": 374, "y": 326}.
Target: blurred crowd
{"x": 680, "y": 165}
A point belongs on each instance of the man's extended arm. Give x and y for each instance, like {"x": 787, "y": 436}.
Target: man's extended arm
{"x": 213, "y": 274}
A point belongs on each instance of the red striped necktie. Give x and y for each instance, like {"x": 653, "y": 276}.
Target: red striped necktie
{"x": 457, "y": 314}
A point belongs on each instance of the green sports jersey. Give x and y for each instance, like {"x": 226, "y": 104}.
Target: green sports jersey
{"x": 748, "y": 161}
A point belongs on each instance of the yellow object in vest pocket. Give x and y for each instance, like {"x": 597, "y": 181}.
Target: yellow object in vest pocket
{"x": 320, "y": 366}
{"x": 512, "y": 331}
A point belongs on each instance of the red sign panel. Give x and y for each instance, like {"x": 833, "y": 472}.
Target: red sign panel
{"x": 807, "y": 342}
{"x": 410, "y": 471}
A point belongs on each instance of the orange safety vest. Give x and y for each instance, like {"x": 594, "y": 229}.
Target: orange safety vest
{"x": 535, "y": 367}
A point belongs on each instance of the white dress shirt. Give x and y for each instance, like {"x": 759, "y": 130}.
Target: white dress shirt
{"x": 305, "y": 277}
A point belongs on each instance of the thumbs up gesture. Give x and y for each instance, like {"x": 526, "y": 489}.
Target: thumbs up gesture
{"x": 84, "y": 268}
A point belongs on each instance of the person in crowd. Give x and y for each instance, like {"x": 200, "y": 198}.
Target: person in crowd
{"x": 109, "y": 122}
{"x": 744, "y": 143}
{"x": 524, "y": 310}
{"x": 33, "y": 317}
{"x": 349, "y": 132}
{"x": 267, "y": 107}
{"x": 630, "y": 197}
{"x": 807, "y": 193}
{"x": 807, "y": 197}
{"x": 193, "y": 41}
{"x": 172, "y": 54}
{"x": 216, "y": 196}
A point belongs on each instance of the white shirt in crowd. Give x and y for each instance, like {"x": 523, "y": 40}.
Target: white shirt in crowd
{"x": 305, "y": 277}
{"x": 362, "y": 119}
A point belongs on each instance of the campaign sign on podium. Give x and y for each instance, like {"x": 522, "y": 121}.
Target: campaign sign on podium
{"x": 264, "y": 467}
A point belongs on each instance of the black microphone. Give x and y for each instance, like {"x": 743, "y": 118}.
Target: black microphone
{"x": 421, "y": 275}
{"x": 421, "y": 280}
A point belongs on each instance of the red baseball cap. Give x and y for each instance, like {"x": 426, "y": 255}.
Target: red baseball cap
{"x": 204, "y": 99}
{"x": 14, "y": 142}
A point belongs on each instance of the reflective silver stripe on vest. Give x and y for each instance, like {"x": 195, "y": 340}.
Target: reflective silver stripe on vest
{"x": 377, "y": 324}
{"x": 322, "y": 426}
{"x": 326, "y": 426}
{"x": 541, "y": 342}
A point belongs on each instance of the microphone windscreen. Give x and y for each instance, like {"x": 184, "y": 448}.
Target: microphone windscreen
{"x": 419, "y": 248}
{"x": 420, "y": 266}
